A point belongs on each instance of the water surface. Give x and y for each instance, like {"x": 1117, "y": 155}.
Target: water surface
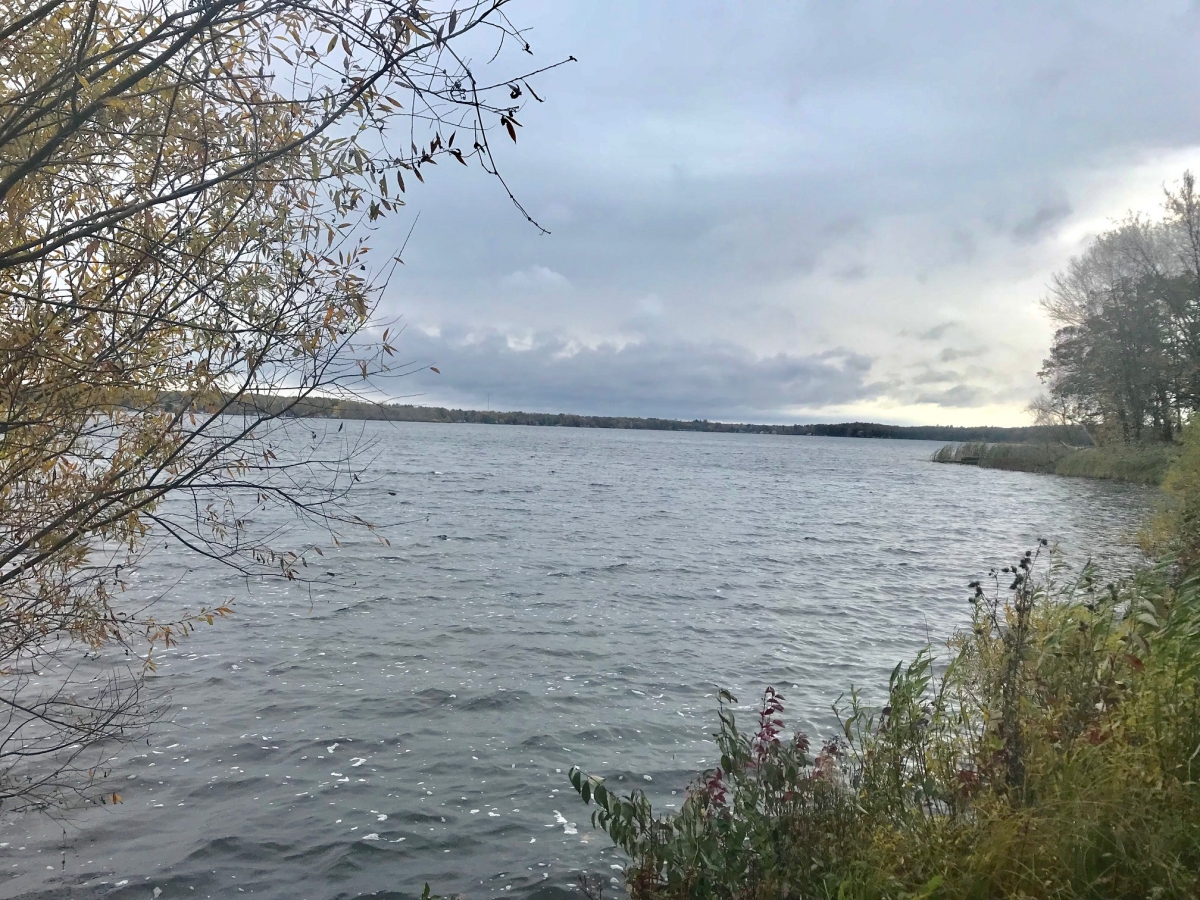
{"x": 551, "y": 597}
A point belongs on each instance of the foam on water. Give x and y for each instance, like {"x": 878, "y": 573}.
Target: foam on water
{"x": 557, "y": 597}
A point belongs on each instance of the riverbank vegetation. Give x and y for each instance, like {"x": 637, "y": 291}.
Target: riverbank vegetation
{"x": 1016, "y": 457}
{"x": 1135, "y": 463}
{"x": 1050, "y": 750}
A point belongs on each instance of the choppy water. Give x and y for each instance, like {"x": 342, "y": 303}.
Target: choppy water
{"x": 556, "y": 596}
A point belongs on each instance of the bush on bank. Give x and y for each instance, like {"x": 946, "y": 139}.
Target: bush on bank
{"x": 1054, "y": 754}
{"x": 1175, "y": 530}
{"x": 1138, "y": 464}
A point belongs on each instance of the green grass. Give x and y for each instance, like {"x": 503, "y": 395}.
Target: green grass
{"x": 1139, "y": 464}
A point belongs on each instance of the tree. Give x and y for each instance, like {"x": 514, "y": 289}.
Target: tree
{"x": 1125, "y": 362}
{"x": 1181, "y": 287}
{"x": 186, "y": 197}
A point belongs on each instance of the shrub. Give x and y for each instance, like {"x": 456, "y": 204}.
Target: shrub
{"x": 1175, "y": 530}
{"x": 1137, "y": 464}
{"x": 1056, "y": 755}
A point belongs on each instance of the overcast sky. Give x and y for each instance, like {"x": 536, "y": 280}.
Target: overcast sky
{"x": 793, "y": 212}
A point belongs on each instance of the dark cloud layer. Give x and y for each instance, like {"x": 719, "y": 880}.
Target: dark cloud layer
{"x": 671, "y": 379}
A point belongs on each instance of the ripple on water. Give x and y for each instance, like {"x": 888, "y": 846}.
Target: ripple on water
{"x": 560, "y": 596}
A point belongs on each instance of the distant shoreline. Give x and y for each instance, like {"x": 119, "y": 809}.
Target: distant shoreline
{"x": 330, "y": 408}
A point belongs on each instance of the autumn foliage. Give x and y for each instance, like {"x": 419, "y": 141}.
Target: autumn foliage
{"x": 187, "y": 196}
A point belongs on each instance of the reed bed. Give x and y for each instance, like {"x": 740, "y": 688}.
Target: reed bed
{"x": 1139, "y": 464}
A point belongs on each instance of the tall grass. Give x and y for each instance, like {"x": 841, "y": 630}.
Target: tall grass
{"x": 1051, "y": 750}
{"x": 1139, "y": 464}
{"x": 1147, "y": 464}
{"x": 1018, "y": 457}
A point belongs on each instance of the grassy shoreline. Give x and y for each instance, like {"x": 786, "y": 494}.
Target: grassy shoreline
{"x": 1143, "y": 464}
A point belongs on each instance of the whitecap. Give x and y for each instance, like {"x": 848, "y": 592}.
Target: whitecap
{"x": 373, "y": 836}
{"x": 568, "y": 827}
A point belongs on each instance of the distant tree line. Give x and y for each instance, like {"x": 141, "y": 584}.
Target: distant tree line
{"x": 1125, "y": 362}
{"x": 341, "y": 408}
{"x": 1029, "y": 434}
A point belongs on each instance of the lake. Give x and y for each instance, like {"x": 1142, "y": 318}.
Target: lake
{"x": 550, "y": 597}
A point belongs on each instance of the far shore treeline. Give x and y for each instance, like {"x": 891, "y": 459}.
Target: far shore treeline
{"x": 331, "y": 408}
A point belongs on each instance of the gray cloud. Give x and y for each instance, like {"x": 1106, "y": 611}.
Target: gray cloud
{"x": 1043, "y": 220}
{"x": 855, "y": 272}
{"x": 937, "y": 376}
{"x": 959, "y": 396}
{"x": 937, "y": 332}
{"x": 536, "y": 278}
{"x": 951, "y": 354}
{"x": 550, "y": 373}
